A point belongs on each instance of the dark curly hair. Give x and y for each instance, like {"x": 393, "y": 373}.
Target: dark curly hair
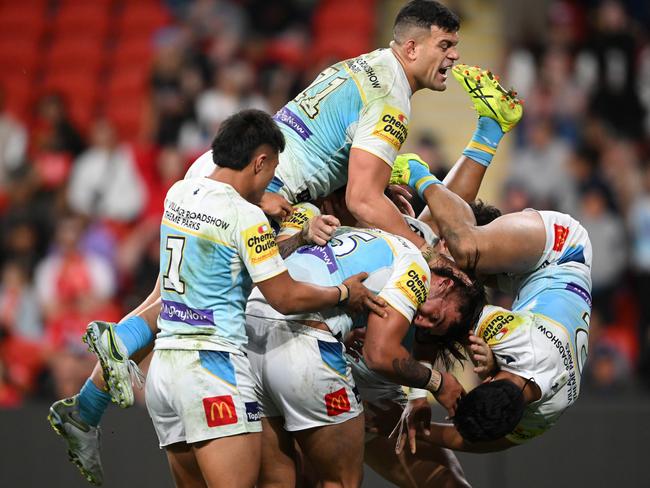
{"x": 490, "y": 411}
{"x": 484, "y": 213}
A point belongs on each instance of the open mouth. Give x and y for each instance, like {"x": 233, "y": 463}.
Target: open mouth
{"x": 443, "y": 71}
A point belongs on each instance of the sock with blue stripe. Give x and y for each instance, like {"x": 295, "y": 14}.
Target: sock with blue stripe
{"x": 93, "y": 402}
{"x": 134, "y": 333}
{"x": 483, "y": 145}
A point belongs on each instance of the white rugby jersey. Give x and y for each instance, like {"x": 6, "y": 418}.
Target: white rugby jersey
{"x": 363, "y": 103}
{"x": 397, "y": 272}
{"x": 213, "y": 245}
{"x": 545, "y": 335}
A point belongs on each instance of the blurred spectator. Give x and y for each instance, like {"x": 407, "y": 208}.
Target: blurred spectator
{"x": 21, "y": 330}
{"x": 234, "y": 90}
{"x": 73, "y": 288}
{"x": 608, "y": 65}
{"x": 54, "y": 141}
{"x": 25, "y": 226}
{"x": 639, "y": 225}
{"x": 541, "y": 167}
{"x": 53, "y": 130}
{"x": 607, "y": 234}
{"x": 105, "y": 183}
{"x": 13, "y": 145}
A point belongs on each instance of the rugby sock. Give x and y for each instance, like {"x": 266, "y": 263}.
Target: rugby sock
{"x": 134, "y": 333}
{"x": 484, "y": 142}
{"x": 93, "y": 402}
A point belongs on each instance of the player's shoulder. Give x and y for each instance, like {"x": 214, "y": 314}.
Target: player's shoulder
{"x": 378, "y": 74}
{"x": 495, "y": 324}
{"x": 202, "y": 166}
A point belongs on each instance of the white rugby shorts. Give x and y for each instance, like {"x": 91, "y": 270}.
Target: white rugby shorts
{"x": 194, "y": 396}
{"x": 300, "y": 373}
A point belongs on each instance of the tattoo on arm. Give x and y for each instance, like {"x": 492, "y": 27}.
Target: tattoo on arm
{"x": 289, "y": 245}
{"x": 411, "y": 373}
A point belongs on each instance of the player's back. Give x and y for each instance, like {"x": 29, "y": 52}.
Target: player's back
{"x": 360, "y": 102}
{"x": 397, "y": 272}
{"x": 210, "y": 238}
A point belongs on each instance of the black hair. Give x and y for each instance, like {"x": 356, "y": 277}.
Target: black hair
{"x": 448, "y": 348}
{"x": 241, "y": 134}
{"x": 484, "y": 213}
{"x": 490, "y": 411}
{"x": 424, "y": 14}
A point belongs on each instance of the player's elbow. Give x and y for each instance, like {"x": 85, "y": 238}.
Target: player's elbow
{"x": 376, "y": 359}
{"x": 361, "y": 203}
{"x": 284, "y": 305}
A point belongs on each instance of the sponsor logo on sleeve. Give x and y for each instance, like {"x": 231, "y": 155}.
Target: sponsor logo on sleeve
{"x": 392, "y": 127}
{"x": 580, "y": 291}
{"x": 337, "y": 402}
{"x": 324, "y": 253}
{"x": 497, "y": 325}
{"x": 253, "y": 411}
{"x": 561, "y": 233}
{"x": 360, "y": 64}
{"x": 179, "y": 312}
{"x": 260, "y": 243}
{"x": 291, "y": 120}
{"x": 414, "y": 285}
{"x": 219, "y": 410}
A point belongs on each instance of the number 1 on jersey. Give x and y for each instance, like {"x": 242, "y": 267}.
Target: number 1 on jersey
{"x": 172, "y": 279}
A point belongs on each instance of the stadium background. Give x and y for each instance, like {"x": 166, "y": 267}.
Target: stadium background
{"x": 104, "y": 103}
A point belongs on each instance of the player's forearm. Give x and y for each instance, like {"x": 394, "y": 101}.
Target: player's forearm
{"x": 455, "y": 222}
{"x": 465, "y": 178}
{"x": 299, "y": 297}
{"x": 379, "y": 212}
{"x": 397, "y": 365}
{"x": 447, "y": 436}
{"x": 288, "y": 245}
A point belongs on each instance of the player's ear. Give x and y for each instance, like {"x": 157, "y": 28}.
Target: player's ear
{"x": 259, "y": 161}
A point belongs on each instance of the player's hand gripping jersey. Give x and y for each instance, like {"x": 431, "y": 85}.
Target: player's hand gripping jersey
{"x": 545, "y": 335}
{"x": 213, "y": 245}
{"x": 362, "y": 102}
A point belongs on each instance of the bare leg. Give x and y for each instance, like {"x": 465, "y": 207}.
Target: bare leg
{"x": 183, "y": 465}
{"x": 278, "y": 468}
{"x": 230, "y": 461}
{"x": 335, "y": 452}
{"x": 431, "y": 466}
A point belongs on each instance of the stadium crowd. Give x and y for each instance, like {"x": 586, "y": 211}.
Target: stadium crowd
{"x": 80, "y": 239}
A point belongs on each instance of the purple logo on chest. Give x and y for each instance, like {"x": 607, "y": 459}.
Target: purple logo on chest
{"x": 288, "y": 118}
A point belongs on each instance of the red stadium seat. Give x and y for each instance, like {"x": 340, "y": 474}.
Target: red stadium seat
{"x": 19, "y": 94}
{"x": 127, "y": 115}
{"x": 128, "y": 83}
{"x": 71, "y": 54}
{"x": 19, "y": 56}
{"x": 79, "y": 26}
{"x": 143, "y": 17}
{"x": 133, "y": 52}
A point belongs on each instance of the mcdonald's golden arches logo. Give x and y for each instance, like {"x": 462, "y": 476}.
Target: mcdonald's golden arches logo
{"x": 219, "y": 410}
{"x": 337, "y": 402}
